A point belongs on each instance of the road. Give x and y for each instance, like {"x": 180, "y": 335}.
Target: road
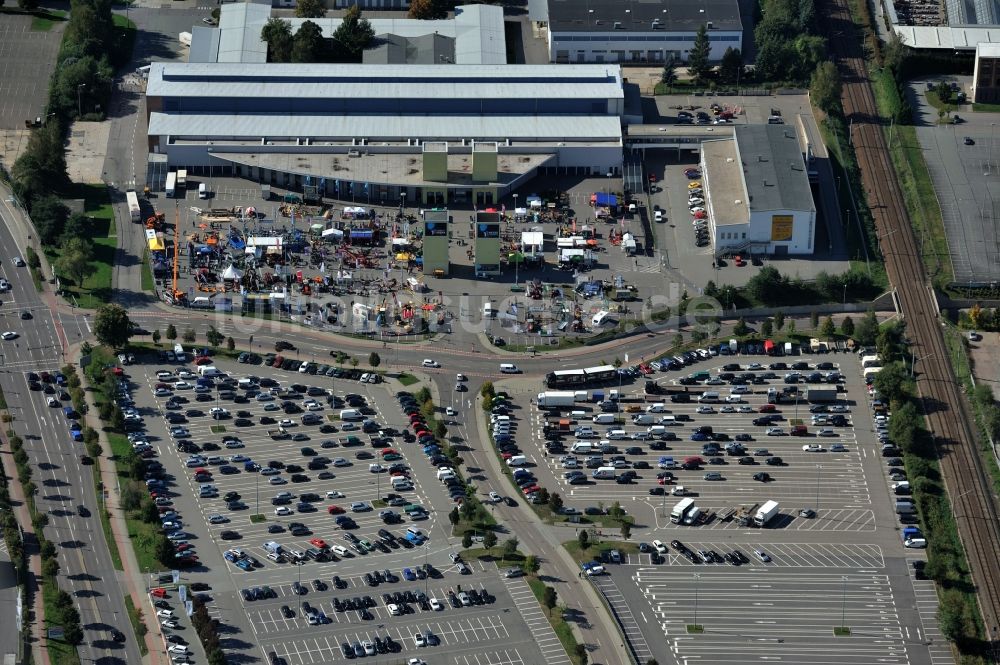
{"x": 63, "y": 484}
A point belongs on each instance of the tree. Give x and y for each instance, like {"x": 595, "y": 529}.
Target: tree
{"x": 847, "y": 326}
{"x": 156, "y": 337}
{"x": 78, "y": 225}
{"x": 49, "y": 216}
{"x": 440, "y": 429}
{"x": 555, "y": 502}
{"x": 50, "y": 567}
{"x": 487, "y": 389}
{"x": 112, "y": 326}
{"x": 583, "y": 538}
{"x": 188, "y": 335}
{"x": 677, "y": 340}
{"x": 75, "y": 259}
{"x": 214, "y": 337}
{"x": 277, "y": 33}
{"x": 428, "y": 9}
{"x": 466, "y": 540}
{"x": 766, "y": 328}
{"x": 310, "y": 9}
{"x": 549, "y": 598}
{"x": 892, "y": 381}
{"x": 453, "y": 516}
{"x": 47, "y": 550}
{"x": 230, "y": 344}
{"x": 352, "y": 36}
{"x": 791, "y": 327}
{"x": 828, "y": 329}
{"x": 668, "y": 76}
{"x": 731, "y": 66}
{"x": 616, "y": 512}
{"x": 740, "y": 329}
{"x": 626, "y": 530}
{"x": 767, "y": 286}
{"x": 489, "y": 539}
{"x": 698, "y": 65}
{"x": 374, "y": 360}
{"x": 582, "y": 656}
{"x": 171, "y": 332}
{"x": 28, "y": 5}
{"x": 867, "y": 330}
{"x": 824, "y": 88}
{"x": 813, "y": 319}
{"x": 530, "y": 564}
{"x": 510, "y": 547}
{"x": 307, "y": 45}
{"x": 779, "y": 320}
{"x": 164, "y": 551}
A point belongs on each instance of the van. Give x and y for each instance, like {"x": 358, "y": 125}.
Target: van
{"x": 415, "y": 532}
{"x": 644, "y": 419}
{"x": 656, "y": 430}
{"x": 659, "y": 407}
{"x": 584, "y": 431}
{"x": 905, "y": 507}
{"x": 604, "y": 418}
{"x": 709, "y": 396}
{"x": 202, "y": 191}
{"x": 509, "y": 368}
{"x": 517, "y": 460}
{"x": 583, "y": 447}
{"x": 272, "y": 546}
{"x": 600, "y": 318}
{"x": 245, "y": 384}
{"x": 400, "y": 481}
{"x": 351, "y": 414}
{"x": 202, "y": 302}
{"x": 617, "y": 435}
{"x": 488, "y": 311}
{"x": 208, "y": 370}
{"x": 604, "y": 473}
{"x": 577, "y": 415}
{"x": 669, "y": 421}
{"x": 494, "y": 419}
{"x": 445, "y": 473}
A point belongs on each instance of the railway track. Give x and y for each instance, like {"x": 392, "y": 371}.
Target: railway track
{"x": 946, "y": 410}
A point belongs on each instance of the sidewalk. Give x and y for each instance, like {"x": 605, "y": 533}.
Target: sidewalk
{"x": 132, "y": 577}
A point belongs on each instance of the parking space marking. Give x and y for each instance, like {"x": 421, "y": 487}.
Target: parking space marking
{"x": 626, "y": 619}
{"x": 927, "y": 609}
{"x": 505, "y": 657}
{"x": 792, "y": 555}
{"x": 541, "y": 630}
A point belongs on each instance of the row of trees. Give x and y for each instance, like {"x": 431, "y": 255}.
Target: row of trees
{"x": 346, "y": 45}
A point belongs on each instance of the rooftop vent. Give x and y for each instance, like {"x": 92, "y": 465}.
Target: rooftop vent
{"x": 708, "y": 25}
{"x": 618, "y": 25}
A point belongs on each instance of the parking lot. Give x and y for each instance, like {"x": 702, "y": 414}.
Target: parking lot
{"x": 244, "y": 443}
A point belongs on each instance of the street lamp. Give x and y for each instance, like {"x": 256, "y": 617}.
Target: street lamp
{"x": 818, "y": 469}
{"x": 843, "y": 606}
{"x": 79, "y": 102}
{"x": 914, "y": 360}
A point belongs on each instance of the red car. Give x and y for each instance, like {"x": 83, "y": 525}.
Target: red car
{"x": 645, "y": 369}
{"x": 158, "y": 592}
{"x": 183, "y": 547}
{"x": 738, "y": 260}
{"x": 531, "y": 489}
{"x": 767, "y": 408}
{"x": 389, "y": 451}
{"x": 335, "y": 510}
{"x": 318, "y": 542}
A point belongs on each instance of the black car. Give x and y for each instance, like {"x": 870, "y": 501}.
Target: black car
{"x": 230, "y": 535}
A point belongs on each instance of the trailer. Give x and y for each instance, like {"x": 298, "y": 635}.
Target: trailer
{"x": 555, "y": 398}
{"x": 681, "y": 510}
{"x": 821, "y": 395}
{"x": 134, "y": 211}
{"x": 766, "y": 513}
{"x": 182, "y": 175}
{"x": 171, "y": 187}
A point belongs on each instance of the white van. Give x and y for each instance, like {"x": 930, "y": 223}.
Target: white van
{"x": 659, "y": 407}
{"x": 399, "y": 482}
{"x": 669, "y": 421}
{"x": 643, "y": 419}
{"x": 577, "y": 415}
{"x": 656, "y": 430}
{"x": 582, "y": 447}
{"x": 604, "y": 418}
{"x": 202, "y": 191}
{"x": 617, "y": 435}
{"x": 600, "y": 318}
{"x": 509, "y": 368}
{"x": 488, "y": 310}
{"x": 604, "y": 473}
{"x": 517, "y": 460}
{"x": 351, "y": 414}
{"x": 444, "y": 473}
{"x": 709, "y": 396}
{"x": 202, "y": 302}
{"x": 494, "y": 419}
{"x": 208, "y": 370}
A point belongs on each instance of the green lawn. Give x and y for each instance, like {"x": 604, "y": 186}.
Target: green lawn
{"x": 986, "y": 108}
{"x": 592, "y": 551}
{"x": 43, "y": 22}
{"x": 408, "y": 379}
{"x": 60, "y": 653}
{"x": 143, "y": 537}
{"x": 138, "y": 627}
{"x": 116, "y": 557}
{"x": 147, "y": 283}
{"x": 97, "y": 287}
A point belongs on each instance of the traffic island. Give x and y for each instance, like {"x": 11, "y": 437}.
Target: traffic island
{"x": 841, "y": 631}
{"x": 695, "y": 629}
{"x": 257, "y": 519}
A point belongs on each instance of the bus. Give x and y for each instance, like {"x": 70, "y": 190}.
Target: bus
{"x": 589, "y": 376}
{"x": 171, "y": 187}
{"x": 682, "y": 510}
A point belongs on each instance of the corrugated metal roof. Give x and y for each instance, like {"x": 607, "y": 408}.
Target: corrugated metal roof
{"x": 236, "y": 80}
{"x": 962, "y": 38}
{"x": 639, "y": 15}
{"x": 774, "y": 168}
{"x": 375, "y": 128}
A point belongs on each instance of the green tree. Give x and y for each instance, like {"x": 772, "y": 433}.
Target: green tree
{"x": 867, "y": 330}
{"x": 467, "y": 540}
{"x": 49, "y": 217}
{"x": 171, "y": 332}
{"x": 374, "y": 360}
{"x": 510, "y": 547}
{"x": 230, "y": 344}
{"x": 277, "y": 33}
{"x": 164, "y": 551}
{"x": 766, "y": 328}
{"x": 428, "y": 9}
{"x": 28, "y": 5}
{"x": 616, "y": 512}
{"x": 892, "y": 381}
{"x": 188, "y": 335}
{"x": 156, "y": 336}
{"x": 847, "y": 326}
{"x": 824, "y": 88}
{"x": 453, "y": 516}
{"x": 625, "y": 529}
{"x": 310, "y": 9}
{"x": 78, "y": 225}
{"x": 530, "y": 564}
{"x": 731, "y": 66}
{"x": 767, "y": 287}
{"x": 549, "y": 598}
{"x": 440, "y": 429}
{"x": 47, "y": 549}
{"x": 813, "y": 320}
{"x": 583, "y": 538}
{"x": 352, "y": 36}
{"x": 668, "y": 76}
{"x": 740, "y": 329}
{"x": 308, "y": 45}
{"x": 555, "y": 502}
{"x": 489, "y": 540}
{"x": 779, "y": 320}
{"x": 828, "y": 329}
{"x": 214, "y": 337}
{"x": 487, "y": 389}
{"x": 582, "y": 655}
{"x": 791, "y": 327}
{"x": 698, "y": 65}
{"x": 112, "y": 326}
{"x": 50, "y": 567}
{"x": 75, "y": 260}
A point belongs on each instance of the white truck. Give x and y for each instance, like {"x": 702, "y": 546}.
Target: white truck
{"x": 555, "y": 398}
{"x": 182, "y": 176}
{"x": 171, "y": 187}
{"x": 765, "y": 513}
{"x": 134, "y": 211}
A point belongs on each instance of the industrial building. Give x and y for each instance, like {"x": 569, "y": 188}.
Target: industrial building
{"x": 380, "y": 133}
{"x": 986, "y": 75}
{"x": 634, "y": 30}
{"x": 759, "y": 200}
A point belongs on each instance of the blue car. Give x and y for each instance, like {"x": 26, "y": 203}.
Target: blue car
{"x": 244, "y": 564}
{"x": 699, "y": 436}
{"x": 409, "y": 575}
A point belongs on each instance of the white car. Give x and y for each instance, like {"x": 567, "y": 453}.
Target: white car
{"x": 697, "y": 209}
{"x": 393, "y": 609}
{"x": 217, "y": 519}
{"x": 436, "y": 604}
{"x": 450, "y": 412}
{"x": 177, "y": 648}
{"x": 315, "y": 406}
{"x": 419, "y": 639}
{"x": 218, "y": 412}
{"x": 974, "y": 336}
{"x": 826, "y": 432}
{"x": 839, "y": 408}
{"x": 659, "y": 547}
{"x": 166, "y": 614}
{"x": 376, "y": 468}
{"x": 286, "y": 422}
{"x": 775, "y": 431}
{"x": 334, "y": 494}
{"x": 430, "y": 363}
{"x": 461, "y": 377}
{"x": 52, "y": 401}
{"x": 18, "y": 261}
{"x": 281, "y": 511}
{"x": 159, "y": 392}
{"x": 495, "y": 497}
{"x": 704, "y": 409}
{"x": 169, "y": 623}
{"x": 277, "y": 480}
{"x": 339, "y": 550}
{"x": 183, "y": 385}
{"x": 812, "y": 448}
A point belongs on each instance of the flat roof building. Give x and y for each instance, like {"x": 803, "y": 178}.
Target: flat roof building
{"x": 634, "y": 30}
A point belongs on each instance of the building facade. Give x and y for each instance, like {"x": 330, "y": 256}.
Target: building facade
{"x": 986, "y": 76}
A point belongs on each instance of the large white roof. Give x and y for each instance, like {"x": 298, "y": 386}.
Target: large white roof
{"x": 960, "y": 38}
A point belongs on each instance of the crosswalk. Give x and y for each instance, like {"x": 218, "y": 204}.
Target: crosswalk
{"x": 533, "y": 615}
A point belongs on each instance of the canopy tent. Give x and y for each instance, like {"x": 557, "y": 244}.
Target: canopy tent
{"x": 333, "y": 232}
{"x": 520, "y": 211}
{"x": 232, "y": 274}
{"x": 264, "y": 241}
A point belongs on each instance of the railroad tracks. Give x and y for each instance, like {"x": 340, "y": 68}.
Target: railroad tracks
{"x": 944, "y": 405}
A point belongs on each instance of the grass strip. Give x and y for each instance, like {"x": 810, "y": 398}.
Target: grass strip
{"x": 147, "y": 283}
{"x": 562, "y": 629}
{"x": 109, "y": 536}
{"x": 138, "y": 626}
{"x": 60, "y": 652}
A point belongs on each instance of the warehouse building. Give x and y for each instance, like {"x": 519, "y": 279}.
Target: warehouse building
{"x": 759, "y": 200}
{"x": 633, "y": 30}
{"x": 378, "y": 133}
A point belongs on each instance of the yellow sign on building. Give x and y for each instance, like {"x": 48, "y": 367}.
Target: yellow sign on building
{"x": 781, "y": 227}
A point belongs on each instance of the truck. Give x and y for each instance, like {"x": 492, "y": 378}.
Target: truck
{"x": 134, "y": 211}
{"x": 821, "y": 395}
{"x": 170, "y": 189}
{"x": 555, "y": 398}
{"x": 182, "y": 175}
{"x": 788, "y": 348}
{"x": 681, "y": 510}
{"x": 734, "y": 346}
{"x": 914, "y": 538}
{"x": 693, "y": 516}
{"x": 278, "y": 434}
{"x": 765, "y": 513}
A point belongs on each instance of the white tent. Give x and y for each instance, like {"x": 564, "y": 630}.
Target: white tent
{"x": 232, "y": 273}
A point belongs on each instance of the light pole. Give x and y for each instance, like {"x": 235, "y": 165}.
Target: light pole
{"x": 79, "y": 100}
{"x": 257, "y": 493}
{"x": 845, "y": 293}
{"x": 697, "y": 581}
{"x": 843, "y": 605}
{"x": 914, "y": 360}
